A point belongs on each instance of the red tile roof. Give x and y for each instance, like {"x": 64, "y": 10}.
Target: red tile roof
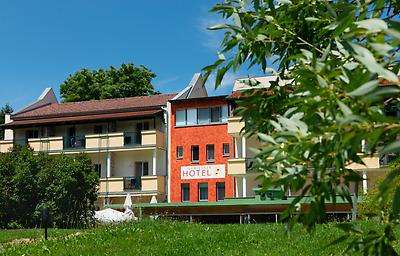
{"x": 239, "y": 94}
{"x": 95, "y": 107}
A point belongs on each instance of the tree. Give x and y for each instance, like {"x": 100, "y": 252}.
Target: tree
{"x": 6, "y": 109}
{"x": 65, "y": 185}
{"x": 333, "y": 57}
{"x": 127, "y": 81}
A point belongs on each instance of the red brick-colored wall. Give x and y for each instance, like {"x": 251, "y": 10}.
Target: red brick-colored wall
{"x": 200, "y": 135}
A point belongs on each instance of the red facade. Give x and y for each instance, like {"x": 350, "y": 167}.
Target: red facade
{"x": 198, "y": 135}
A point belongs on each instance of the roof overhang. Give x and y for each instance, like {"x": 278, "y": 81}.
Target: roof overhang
{"x": 81, "y": 119}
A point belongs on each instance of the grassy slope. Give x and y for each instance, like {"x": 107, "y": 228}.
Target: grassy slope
{"x": 176, "y": 238}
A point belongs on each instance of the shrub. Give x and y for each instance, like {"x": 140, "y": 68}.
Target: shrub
{"x": 66, "y": 185}
{"x": 370, "y": 204}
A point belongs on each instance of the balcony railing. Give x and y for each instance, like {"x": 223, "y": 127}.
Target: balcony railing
{"x": 132, "y": 183}
{"x": 90, "y": 142}
{"x": 132, "y": 138}
{"x": 20, "y": 142}
{"x": 46, "y": 144}
{"x": 235, "y": 125}
{"x": 136, "y": 184}
{"x": 71, "y": 142}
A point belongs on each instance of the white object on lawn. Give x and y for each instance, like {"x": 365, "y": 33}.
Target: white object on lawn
{"x": 153, "y": 200}
{"x": 109, "y": 215}
{"x": 128, "y": 201}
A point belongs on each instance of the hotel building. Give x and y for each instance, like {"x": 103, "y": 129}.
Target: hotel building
{"x": 181, "y": 149}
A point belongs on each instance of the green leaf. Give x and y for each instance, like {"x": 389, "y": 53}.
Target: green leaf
{"x": 220, "y": 75}
{"x": 382, "y": 49}
{"x": 349, "y": 227}
{"x": 269, "y": 18}
{"x": 267, "y": 138}
{"x": 322, "y": 82}
{"x": 218, "y": 27}
{"x": 352, "y": 118}
{"x": 344, "y": 108}
{"x": 396, "y": 202}
{"x": 311, "y": 19}
{"x": 391, "y": 148}
{"x": 236, "y": 18}
{"x": 365, "y": 88}
{"x": 339, "y": 240}
{"x": 384, "y": 186}
{"x": 372, "y": 25}
{"x": 367, "y": 58}
{"x": 382, "y": 92}
{"x": 284, "y": 2}
{"x": 393, "y": 33}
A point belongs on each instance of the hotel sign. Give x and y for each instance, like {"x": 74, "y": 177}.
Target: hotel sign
{"x": 203, "y": 172}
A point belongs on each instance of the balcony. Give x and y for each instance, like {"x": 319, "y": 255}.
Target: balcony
{"x": 235, "y": 126}
{"x": 93, "y": 141}
{"x": 132, "y": 184}
{"x": 239, "y": 166}
{"x": 104, "y": 140}
{"x": 153, "y": 183}
{"x": 371, "y": 162}
{"x": 132, "y": 138}
{"x": 46, "y": 144}
{"x": 74, "y": 142}
{"x": 127, "y": 139}
{"x": 153, "y": 137}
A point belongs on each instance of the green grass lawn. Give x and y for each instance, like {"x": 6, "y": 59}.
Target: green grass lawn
{"x": 179, "y": 238}
{"x": 10, "y": 235}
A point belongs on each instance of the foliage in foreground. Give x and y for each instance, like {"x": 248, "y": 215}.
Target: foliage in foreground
{"x": 338, "y": 63}
{"x": 370, "y": 207}
{"x": 178, "y": 238}
{"x": 66, "y": 185}
{"x": 126, "y": 81}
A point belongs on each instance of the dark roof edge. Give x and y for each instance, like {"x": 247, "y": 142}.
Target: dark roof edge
{"x": 201, "y": 98}
{"x": 98, "y": 120}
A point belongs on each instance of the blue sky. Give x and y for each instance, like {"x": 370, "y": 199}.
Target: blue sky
{"x": 42, "y": 42}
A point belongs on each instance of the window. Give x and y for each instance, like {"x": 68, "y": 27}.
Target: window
{"x": 141, "y": 168}
{"x": 224, "y": 113}
{"x": 179, "y": 152}
{"x": 71, "y": 131}
{"x": 191, "y": 116}
{"x": 146, "y": 126}
{"x": 203, "y": 116}
{"x": 195, "y": 154}
{"x": 220, "y": 191}
{"x": 225, "y": 149}
{"x": 142, "y": 126}
{"x": 98, "y": 129}
{"x": 32, "y": 134}
{"x": 112, "y": 127}
{"x": 210, "y": 153}
{"x": 97, "y": 169}
{"x": 48, "y": 132}
{"x": 185, "y": 189}
{"x": 180, "y": 117}
{"x": 203, "y": 191}
{"x": 216, "y": 115}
